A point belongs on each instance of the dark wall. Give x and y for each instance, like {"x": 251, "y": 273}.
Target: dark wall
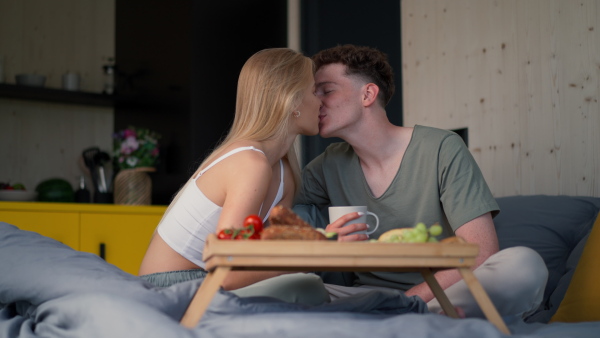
{"x": 153, "y": 57}
{"x": 336, "y": 22}
{"x": 226, "y": 34}
{"x": 178, "y": 65}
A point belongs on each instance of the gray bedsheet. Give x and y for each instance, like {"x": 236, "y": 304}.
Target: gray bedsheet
{"x": 50, "y": 290}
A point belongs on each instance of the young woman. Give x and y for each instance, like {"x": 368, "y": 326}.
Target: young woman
{"x": 251, "y": 171}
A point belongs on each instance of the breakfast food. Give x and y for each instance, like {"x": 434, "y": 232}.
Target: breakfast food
{"x": 418, "y": 234}
{"x": 287, "y": 225}
{"x": 281, "y": 215}
{"x": 393, "y": 235}
{"x": 253, "y": 227}
{"x": 292, "y": 232}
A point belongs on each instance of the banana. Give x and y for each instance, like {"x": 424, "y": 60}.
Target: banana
{"x": 393, "y": 236}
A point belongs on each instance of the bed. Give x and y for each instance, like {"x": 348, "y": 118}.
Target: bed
{"x": 50, "y": 290}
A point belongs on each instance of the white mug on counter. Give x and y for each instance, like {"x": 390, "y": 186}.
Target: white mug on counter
{"x": 70, "y": 81}
{"x": 337, "y": 212}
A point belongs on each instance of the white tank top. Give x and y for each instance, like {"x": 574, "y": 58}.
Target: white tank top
{"x": 193, "y": 216}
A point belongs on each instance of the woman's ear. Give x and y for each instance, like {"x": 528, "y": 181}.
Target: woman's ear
{"x": 370, "y": 91}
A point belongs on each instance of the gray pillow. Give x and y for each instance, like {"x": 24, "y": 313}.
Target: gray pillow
{"x": 553, "y": 226}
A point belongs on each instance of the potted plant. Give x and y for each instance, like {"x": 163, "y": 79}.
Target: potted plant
{"x": 136, "y": 153}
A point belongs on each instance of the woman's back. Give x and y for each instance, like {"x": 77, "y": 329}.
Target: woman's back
{"x": 275, "y": 103}
{"x": 197, "y": 209}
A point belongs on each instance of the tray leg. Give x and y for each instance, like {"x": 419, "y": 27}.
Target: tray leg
{"x": 439, "y": 293}
{"x": 204, "y": 296}
{"x": 483, "y": 300}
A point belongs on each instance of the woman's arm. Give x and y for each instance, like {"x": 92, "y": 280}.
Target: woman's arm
{"x": 242, "y": 183}
{"x": 246, "y": 180}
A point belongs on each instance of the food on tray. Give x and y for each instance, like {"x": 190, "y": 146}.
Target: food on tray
{"x": 253, "y": 226}
{"x": 284, "y": 225}
{"x": 281, "y": 215}
{"x": 292, "y": 232}
{"x": 418, "y": 234}
{"x": 287, "y": 225}
{"x": 255, "y": 223}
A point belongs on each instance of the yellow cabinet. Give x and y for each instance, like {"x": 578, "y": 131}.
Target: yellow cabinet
{"x": 119, "y": 234}
{"x": 60, "y": 225}
{"x": 121, "y": 239}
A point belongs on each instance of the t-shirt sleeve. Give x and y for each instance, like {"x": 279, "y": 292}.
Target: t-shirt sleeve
{"x": 312, "y": 188}
{"x": 463, "y": 191}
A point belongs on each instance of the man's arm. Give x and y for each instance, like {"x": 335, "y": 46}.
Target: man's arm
{"x": 480, "y": 231}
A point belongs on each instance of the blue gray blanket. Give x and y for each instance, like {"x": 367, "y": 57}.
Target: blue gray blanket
{"x": 50, "y": 290}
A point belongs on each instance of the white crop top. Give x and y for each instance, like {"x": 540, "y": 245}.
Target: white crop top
{"x": 193, "y": 216}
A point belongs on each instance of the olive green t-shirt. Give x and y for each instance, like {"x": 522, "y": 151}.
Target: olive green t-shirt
{"x": 438, "y": 181}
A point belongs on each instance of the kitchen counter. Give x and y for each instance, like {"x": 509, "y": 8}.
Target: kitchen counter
{"x": 117, "y": 233}
{"x": 85, "y": 207}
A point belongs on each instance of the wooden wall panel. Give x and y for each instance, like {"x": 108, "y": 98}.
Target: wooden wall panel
{"x": 45, "y": 140}
{"x": 53, "y": 37}
{"x": 523, "y": 76}
{"x": 40, "y": 140}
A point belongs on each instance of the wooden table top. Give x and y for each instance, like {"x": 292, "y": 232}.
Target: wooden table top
{"x": 336, "y": 256}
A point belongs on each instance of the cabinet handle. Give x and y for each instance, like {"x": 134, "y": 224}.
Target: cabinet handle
{"x": 103, "y": 251}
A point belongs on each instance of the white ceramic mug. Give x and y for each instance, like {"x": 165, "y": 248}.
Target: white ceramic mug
{"x": 337, "y": 212}
{"x": 70, "y": 81}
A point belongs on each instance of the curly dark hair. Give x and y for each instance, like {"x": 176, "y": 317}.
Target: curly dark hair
{"x": 366, "y": 62}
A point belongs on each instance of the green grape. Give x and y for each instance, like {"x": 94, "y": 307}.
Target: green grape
{"x": 421, "y": 227}
{"x": 409, "y": 236}
{"x": 421, "y": 237}
{"x": 435, "y": 230}
{"x": 417, "y": 234}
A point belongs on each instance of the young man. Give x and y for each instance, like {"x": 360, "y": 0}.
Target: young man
{"x": 407, "y": 175}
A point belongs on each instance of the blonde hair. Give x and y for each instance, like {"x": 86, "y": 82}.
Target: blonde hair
{"x": 270, "y": 86}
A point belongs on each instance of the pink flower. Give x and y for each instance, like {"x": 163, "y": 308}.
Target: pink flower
{"x": 129, "y": 145}
{"x": 135, "y": 147}
{"x": 129, "y": 133}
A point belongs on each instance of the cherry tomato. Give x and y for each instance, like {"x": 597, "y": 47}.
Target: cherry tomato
{"x": 243, "y": 234}
{"x": 256, "y": 222}
{"x": 253, "y": 226}
{"x": 225, "y": 234}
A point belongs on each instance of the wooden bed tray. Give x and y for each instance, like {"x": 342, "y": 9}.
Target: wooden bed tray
{"x": 222, "y": 256}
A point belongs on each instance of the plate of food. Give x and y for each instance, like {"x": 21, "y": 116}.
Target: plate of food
{"x": 16, "y": 192}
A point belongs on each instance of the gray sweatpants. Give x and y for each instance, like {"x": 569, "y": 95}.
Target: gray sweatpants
{"x": 514, "y": 279}
{"x": 301, "y": 288}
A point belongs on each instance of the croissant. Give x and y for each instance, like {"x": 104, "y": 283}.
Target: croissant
{"x": 287, "y": 225}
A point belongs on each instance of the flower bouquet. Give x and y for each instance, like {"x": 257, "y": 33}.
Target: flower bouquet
{"x": 136, "y": 148}
{"x": 136, "y": 153}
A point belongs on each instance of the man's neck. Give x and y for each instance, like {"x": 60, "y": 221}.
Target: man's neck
{"x": 379, "y": 140}
{"x": 380, "y": 156}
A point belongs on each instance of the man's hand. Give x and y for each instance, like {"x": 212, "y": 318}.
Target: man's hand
{"x": 479, "y": 231}
{"x": 345, "y": 233}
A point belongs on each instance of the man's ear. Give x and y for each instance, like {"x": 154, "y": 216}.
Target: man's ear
{"x": 370, "y": 91}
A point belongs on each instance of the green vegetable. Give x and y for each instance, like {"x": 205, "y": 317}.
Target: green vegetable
{"x": 55, "y": 190}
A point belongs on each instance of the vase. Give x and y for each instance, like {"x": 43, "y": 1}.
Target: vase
{"x": 133, "y": 186}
